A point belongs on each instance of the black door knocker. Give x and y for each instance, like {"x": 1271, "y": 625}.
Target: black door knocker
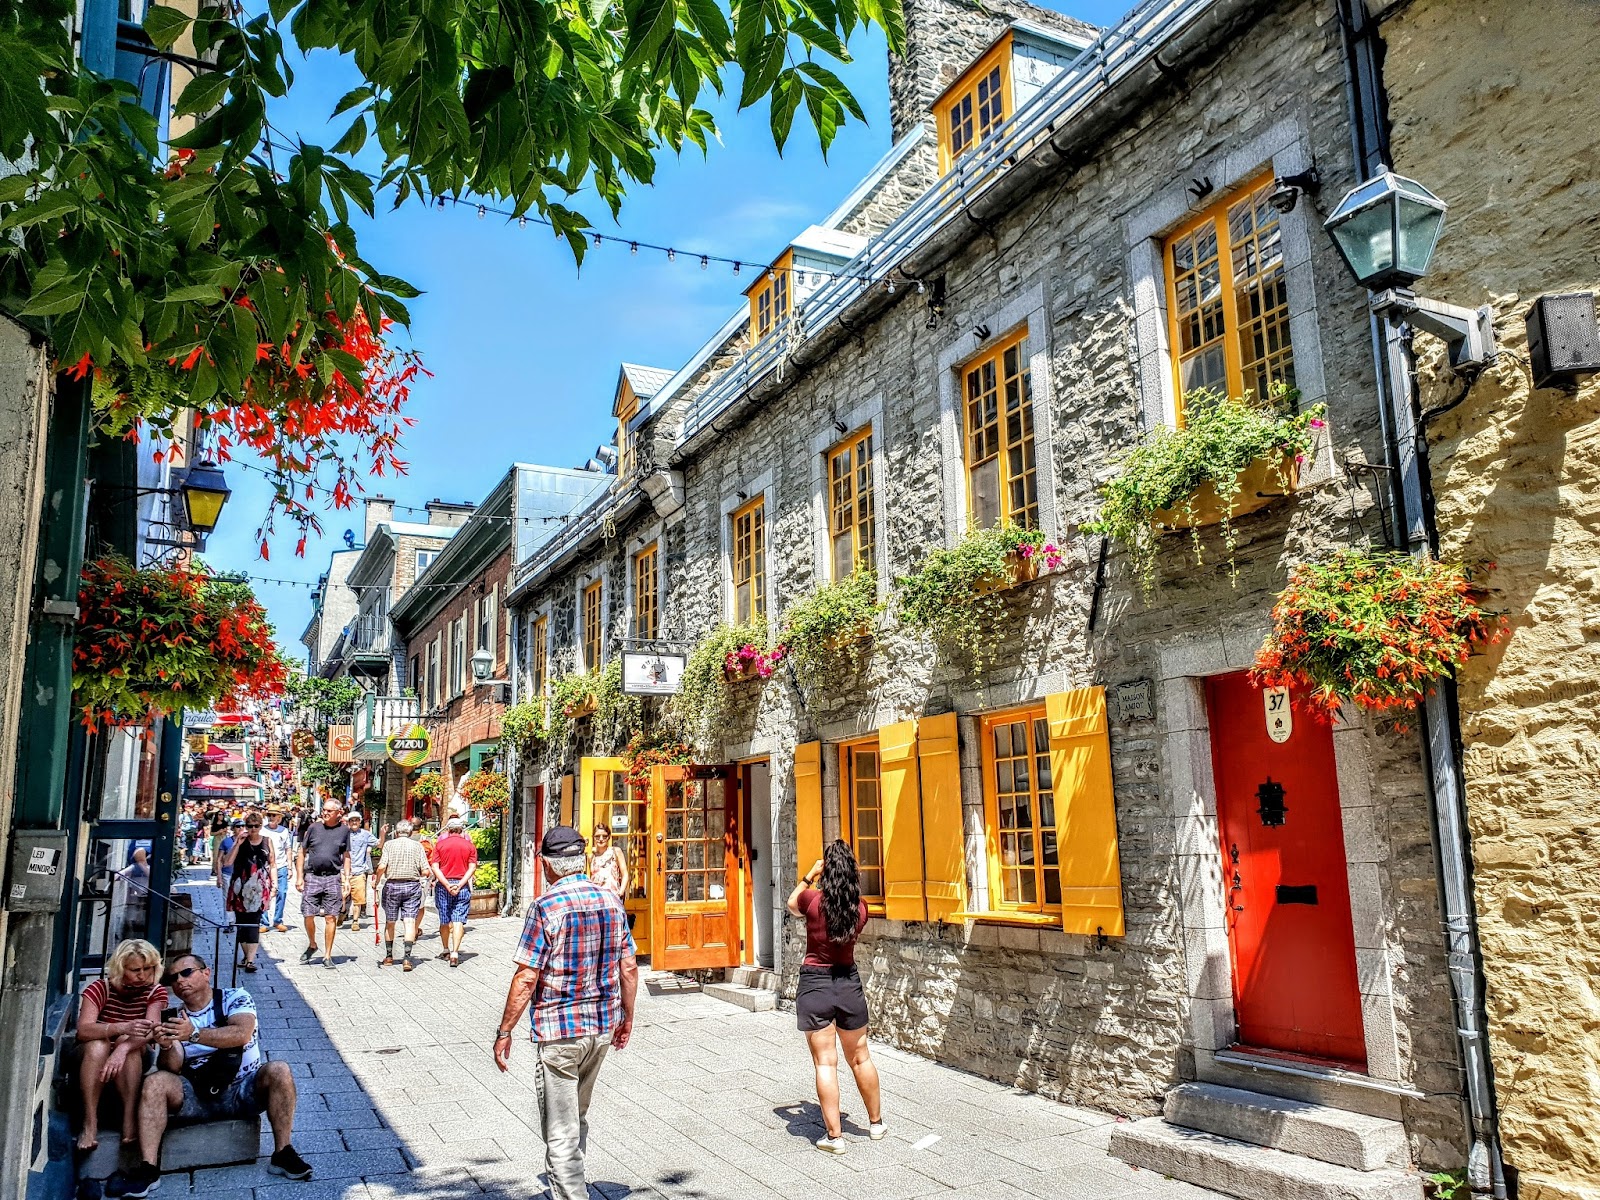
{"x": 1272, "y": 809}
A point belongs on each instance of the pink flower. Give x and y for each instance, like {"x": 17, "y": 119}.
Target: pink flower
{"x": 1317, "y": 422}
{"x": 1026, "y": 549}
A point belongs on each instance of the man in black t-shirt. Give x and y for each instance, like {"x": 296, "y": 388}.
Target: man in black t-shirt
{"x": 322, "y": 873}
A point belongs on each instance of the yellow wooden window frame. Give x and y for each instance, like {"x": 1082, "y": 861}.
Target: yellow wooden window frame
{"x": 540, "y": 656}
{"x": 1046, "y": 877}
{"x": 1250, "y": 321}
{"x": 862, "y": 782}
{"x": 772, "y": 297}
{"x": 591, "y": 625}
{"x": 627, "y": 449}
{"x": 852, "y": 526}
{"x": 995, "y": 437}
{"x": 969, "y": 104}
{"x": 646, "y": 611}
{"x": 749, "y": 533}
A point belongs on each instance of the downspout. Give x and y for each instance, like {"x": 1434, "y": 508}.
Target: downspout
{"x": 1414, "y": 529}
{"x": 509, "y": 858}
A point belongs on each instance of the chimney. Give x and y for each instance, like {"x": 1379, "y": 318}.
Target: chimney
{"x": 443, "y": 512}
{"x": 380, "y": 510}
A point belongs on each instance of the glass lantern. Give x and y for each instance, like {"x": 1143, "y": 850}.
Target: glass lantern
{"x": 1386, "y": 229}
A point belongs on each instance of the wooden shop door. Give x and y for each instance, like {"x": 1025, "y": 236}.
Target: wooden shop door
{"x": 1288, "y": 898}
{"x": 604, "y": 798}
{"x": 697, "y": 885}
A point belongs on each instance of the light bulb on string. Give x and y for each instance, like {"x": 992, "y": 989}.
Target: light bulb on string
{"x": 481, "y": 211}
{"x": 522, "y": 222}
{"x": 888, "y": 286}
{"x": 633, "y": 247}
{"x": 672, "y": 255}
{"x": 736, "y": 268}
{"x": 921, "y": 287}
{"x": 441, "y": 201}
{"x": 704, "y": 262}
{"x": 598, "y": 239}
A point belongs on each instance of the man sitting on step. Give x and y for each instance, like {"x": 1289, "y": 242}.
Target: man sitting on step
{"x": 209, "y": 1068}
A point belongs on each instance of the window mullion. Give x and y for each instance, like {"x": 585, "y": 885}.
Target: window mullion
{"x": 1233, "y": 363}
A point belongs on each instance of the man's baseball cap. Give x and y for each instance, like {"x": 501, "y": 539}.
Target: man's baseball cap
{"x": 562, "y": 841}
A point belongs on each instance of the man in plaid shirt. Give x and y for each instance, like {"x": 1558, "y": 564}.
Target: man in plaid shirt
{"x": 576, "y": 965}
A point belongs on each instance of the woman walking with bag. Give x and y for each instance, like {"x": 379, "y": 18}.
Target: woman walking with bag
{"x": 829, "y": 1002}
{"x": 255, "y": 868}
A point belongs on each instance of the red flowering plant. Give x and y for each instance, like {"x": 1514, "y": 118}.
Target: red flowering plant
{"x": 167, "y": 638}
{"x": 487, "y": 791}
{"x": 751, "y": 660}
{"x": 429, "y": 787}
{"x": 1375, "y": 629}
{"x": 646, "y": 751}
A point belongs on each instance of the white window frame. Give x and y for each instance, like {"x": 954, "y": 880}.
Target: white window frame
{"x": 423, "y": 566}
{"x": 1028, "y": 312}
{"x": 435, "y": 671}
{"x": 458, "y": 656}
{"x": 867, "y": 415}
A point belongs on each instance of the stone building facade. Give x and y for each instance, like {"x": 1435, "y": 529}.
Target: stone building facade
{"x": 1484, "y": 112}
{"x": 1063, "y": 245}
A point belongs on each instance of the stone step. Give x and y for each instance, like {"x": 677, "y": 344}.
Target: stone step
{"x": 185, "y": 1148}
{"x": 754, "y": 999}
{"x": 1249, "y": 1171}
{"x": 754, "y": 977}
{"x": 1332, "y": 1135}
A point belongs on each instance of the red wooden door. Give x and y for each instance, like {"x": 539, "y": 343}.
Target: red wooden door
{"x": 697, "y": 891}
{"x": 1294, "y": 960}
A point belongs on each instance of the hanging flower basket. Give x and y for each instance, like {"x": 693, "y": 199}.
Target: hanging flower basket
{"x": 1375, "y": 629}
{"x": 164, "y": 639}
{"x": 1252, "y": 489}
{"x": 750, "y": 662}
{"x": 487, "y": 791}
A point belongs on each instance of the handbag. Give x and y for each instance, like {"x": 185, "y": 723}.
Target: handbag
{"x": 211, "y": 1075}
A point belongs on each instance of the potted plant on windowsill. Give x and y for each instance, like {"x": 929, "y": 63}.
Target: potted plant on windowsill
{"x": 828, "y": 634}
{"x": 708, "y": 699}
{"x": 1377, "y": 629}
{"x": 573, "y": 696}
{"x": 956, "y": 596}
{"x": 1230, "y": 457}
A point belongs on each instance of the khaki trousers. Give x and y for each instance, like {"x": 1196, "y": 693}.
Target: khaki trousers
{"x": 567, "y": 1072}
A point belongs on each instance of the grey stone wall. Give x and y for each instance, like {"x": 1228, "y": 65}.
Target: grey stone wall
{"x": 1110, "y": 1024}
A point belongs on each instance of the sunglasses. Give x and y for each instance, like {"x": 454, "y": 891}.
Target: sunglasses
{"x": 172, "y": 977}
{"x": 253, "y": 825}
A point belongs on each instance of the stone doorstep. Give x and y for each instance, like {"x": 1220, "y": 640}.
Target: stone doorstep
{"x": 1330, "y": 1135}
{"x": 185, "y": 1148}
{"x": 1249, "y": 1171}
{"x": 754, "y": 999}
{"x": 754, "y": 977}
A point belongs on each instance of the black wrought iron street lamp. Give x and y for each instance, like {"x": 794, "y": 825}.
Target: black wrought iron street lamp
{"x": 204, "y": 491}
{"x": 1386, "y": 229}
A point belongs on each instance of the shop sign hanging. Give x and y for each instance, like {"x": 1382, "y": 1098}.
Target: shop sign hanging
{"x": 302, "y": 743}
{"x": 341, "y": 743}
{"x": 409, "y": 749}
{"x": 646, "y": 673}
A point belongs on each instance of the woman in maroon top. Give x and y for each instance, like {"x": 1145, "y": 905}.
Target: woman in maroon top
{"x": 830, "y": 1004}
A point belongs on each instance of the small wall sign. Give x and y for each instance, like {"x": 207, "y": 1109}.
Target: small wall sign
{"x": 1280, "y": 714}
{"x": 1136, "y": 701}
{"x": 646, "y": 673}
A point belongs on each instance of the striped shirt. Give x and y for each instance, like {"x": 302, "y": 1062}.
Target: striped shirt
{"x": 576, "y": 937}
{"x": 131, "y": 1006}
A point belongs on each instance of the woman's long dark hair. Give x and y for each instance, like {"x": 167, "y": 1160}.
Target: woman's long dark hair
{"x": 841, "y": 891}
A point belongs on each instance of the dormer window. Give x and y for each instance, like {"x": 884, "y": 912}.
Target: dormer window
{"x": 772, "y": 297}
{"x": 627, "y": 407}
{"x": 1003, "y": 79}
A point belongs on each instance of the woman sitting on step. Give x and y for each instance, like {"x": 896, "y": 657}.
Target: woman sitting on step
{"x": 118, "y": 1017}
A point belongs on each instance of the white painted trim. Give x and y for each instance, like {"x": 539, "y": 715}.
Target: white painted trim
{"x": 1285, "y": 148}
{"x": 1026, "y": 310}
{"x": 764, "y": 485}
{"x": 866, "y": 415}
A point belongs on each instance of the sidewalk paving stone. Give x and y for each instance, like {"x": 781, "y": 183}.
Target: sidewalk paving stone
{"x": 400, "y": 1100}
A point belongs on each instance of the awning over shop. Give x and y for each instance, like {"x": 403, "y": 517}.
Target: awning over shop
{"x": 221, "y": 787}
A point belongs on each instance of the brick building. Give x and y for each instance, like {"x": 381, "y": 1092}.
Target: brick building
{"x": 1088, "y": 227}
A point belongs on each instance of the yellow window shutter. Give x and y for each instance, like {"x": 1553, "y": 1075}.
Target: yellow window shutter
{"x": 807, "y": 805}
{"x": 944, "y": 860}
{"x": 1086, "y": 814}
{"x": 902, "y": 823}
{"x": 592, "y": 787}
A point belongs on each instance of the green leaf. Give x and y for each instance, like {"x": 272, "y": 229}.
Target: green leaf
{"x": 835, "y": 87}
{"x": 165, "y": 25}
{"x": 203, "y": 93}
{"x": 786, "y": 97}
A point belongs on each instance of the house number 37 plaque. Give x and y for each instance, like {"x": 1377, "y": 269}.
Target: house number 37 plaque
{"x": 1280, "y": 717}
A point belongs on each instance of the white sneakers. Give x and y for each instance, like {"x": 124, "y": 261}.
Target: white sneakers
{"x": 830, "y": 1145}
{"x": 878, "y": 1131}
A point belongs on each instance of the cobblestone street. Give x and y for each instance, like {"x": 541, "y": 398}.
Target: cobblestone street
{"x": 399, "y": 1097}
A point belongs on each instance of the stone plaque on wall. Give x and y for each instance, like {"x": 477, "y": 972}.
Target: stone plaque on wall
{"x": 1136, "y": 701}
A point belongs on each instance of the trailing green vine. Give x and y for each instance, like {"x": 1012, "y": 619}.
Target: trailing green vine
{"x": 708, "y": 699}
{"x": 956, "y": 596}
{"x": 1220, "y": 438}
{"x": 525, "y": 725}
{"x": 828, "y": 634}
{"x": 617, "y": 715}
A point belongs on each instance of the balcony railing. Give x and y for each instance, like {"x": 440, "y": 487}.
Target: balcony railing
{"x": 378, "y": 718}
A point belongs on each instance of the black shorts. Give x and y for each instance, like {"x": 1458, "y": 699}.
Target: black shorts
{"x": 830, "y": 996}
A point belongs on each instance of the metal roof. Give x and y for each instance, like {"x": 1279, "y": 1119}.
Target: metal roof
{"x": 646, "y": 381}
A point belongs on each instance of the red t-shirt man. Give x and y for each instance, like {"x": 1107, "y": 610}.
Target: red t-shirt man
{"x": 456, "y": 856}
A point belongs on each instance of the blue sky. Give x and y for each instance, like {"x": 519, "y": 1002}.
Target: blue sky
{"x": 524, "y": 347}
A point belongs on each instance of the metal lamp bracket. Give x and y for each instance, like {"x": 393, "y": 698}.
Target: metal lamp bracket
{"x": 1468, "y": 332}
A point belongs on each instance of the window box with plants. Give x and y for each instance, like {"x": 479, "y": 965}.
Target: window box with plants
{"x": 957, "y": 596}
{"x": 525, "y": 726}
{"x": 1230, "y": 457}
{"x": 596, "y": 694}
{"x": 1375, "y": 628}
{"x": 828, "y": 634}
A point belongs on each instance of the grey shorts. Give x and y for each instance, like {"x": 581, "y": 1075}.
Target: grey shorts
{"x": 401, "y": 899}
{"x": 322, "y": 896}
{"x": 240, "y": 1099}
